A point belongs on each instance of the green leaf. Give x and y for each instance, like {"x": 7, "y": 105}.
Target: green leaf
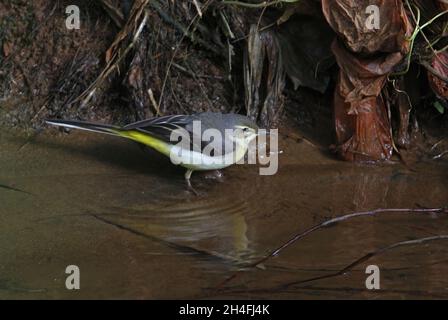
{"x": 439, "y": 107}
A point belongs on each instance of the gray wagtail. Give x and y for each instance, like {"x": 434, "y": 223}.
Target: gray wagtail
{"x": 236, "y": 130}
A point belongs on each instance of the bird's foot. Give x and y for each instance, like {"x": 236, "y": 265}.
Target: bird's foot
{"x": 215, "y": 175}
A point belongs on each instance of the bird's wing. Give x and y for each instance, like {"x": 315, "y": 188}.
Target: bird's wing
{"x": 164, "y": 120}
{"x": 163, "y": 127}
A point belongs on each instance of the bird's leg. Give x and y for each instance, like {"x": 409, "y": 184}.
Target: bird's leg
{"x": 187, "y": 179}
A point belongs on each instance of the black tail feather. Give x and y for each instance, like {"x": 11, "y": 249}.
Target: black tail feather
{"x": 87, "y": 126}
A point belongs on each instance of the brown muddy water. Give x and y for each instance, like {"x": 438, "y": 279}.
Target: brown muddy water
{"x": 124, "y": 218}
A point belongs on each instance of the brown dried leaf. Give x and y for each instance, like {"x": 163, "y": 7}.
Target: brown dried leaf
{"x": 440, "y": 65}
{"x": 348, "y": 18}
{"x": 361, "y": 120}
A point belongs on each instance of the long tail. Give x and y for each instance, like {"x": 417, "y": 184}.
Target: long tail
{"x": 87, "y": 126}
{"x": 141, "y": 137}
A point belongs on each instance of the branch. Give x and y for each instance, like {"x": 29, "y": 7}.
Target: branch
{"x": 327, "y": 223}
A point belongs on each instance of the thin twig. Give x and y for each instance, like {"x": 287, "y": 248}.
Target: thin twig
{"x": 153, "y": 101}
{"x": 329, "y": 222}
{"x": 175, "y": 53}
{"x": 115, "y": 58}
{"x": 351, "y": 266}
{"x": 433, "y": 71}
{"x": 198, "y": 7}
{"x": 185, "y": 30}
{"x": 263, "y": 4}
{"x": 191, "y": 73}
{"x": 369, "y": 256}
{"x": 440, "y": 155}
{"x": 343, "y": 218}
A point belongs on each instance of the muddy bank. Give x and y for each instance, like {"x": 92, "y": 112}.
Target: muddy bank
{"x": 45, "y": 67}
{"x": 382, "y": 91}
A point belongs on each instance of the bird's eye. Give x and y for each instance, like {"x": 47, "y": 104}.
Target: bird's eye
{"x": 245, "y": 129}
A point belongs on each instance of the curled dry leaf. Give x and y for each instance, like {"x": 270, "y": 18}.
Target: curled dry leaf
{"x": 361, "y": 120}
{"x": 440, "y": 65}
{"x": 366, "y": 57}
{"x": 349, "y": 18}
{"x": 443, "y": 4}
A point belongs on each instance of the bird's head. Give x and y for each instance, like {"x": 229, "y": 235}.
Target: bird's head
{"x": 245, "y": 133}
{"x": 244, "y": 130}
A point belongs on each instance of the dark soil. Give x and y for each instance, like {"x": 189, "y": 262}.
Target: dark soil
{"x": 45, "y": 67}
{"x": 45, "y": 64}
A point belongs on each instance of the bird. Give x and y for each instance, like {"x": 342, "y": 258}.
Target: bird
{"x": 237, "y": 131}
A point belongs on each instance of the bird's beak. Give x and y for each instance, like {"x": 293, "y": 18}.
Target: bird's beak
{"x": 266, "y": 132}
